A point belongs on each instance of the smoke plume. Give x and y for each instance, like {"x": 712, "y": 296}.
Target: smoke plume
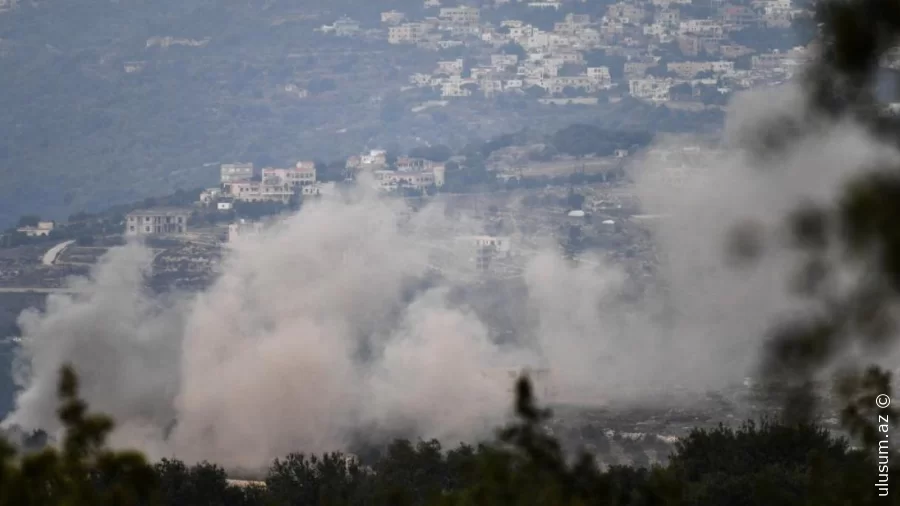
{"x": 331, "y": 321}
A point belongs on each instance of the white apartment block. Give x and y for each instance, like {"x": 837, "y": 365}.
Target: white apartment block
{"x": 768, "y": 60}
{"x": 704, "y": 27}
{"x": 544, "y": 5}
{"x": 689, "y": 69}
{"x": 578, "y": 19}
{"x": 158, "y": 221}
{"x": 453, "y": 87}
{"x": 537, "y": 41}
{"x": 774, "y": 7}
{"x": 625, "y": 12}
{"x": 655, "y": 30}
{"x": 521, "y": 32}
{"x": 295, "y": 177}
{"x": 588, "y": 37}
{"x": 654, "y": 90}
{"x": 407, "y": 33}
{"x": 452, "y": 68}
{"x": 235, "y": 172}
{"x": 600, "y": 76}
{"x": 390, "y": 180}
{"x": 392, "y": 17}
{"x": 460, "y": 15}
{"x": 501, "y": 61}
{"x": 637, "y": 69}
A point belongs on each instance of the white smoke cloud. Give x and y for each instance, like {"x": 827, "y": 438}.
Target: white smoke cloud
{"x": 317, "y": 329}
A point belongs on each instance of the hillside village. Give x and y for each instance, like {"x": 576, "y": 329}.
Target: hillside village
{"x": 660, "y": 51}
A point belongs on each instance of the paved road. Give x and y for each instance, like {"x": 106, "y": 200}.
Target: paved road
{"x": 53, "y": 253}
{"x": 28, "y": 289}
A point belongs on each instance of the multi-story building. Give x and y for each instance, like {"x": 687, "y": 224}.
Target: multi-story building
{"x": 42, "y": 229}
{"x": 704, "y": 27}
{"x": 229, "y": 172}
{"x": 501, "y": 61}
{"x": 389, "y": 180}
{"x": 209, "y": 195}
{"x": 244, "y": 228}
{"x": 415, "y": 174}
{"x": 455, "y": 87}
{"x": 160, "y": 221}
{"x": 737, "y": 17}
{"x": 652, "y": 89}
{"x": 256, "y": 191}
{"x": 407, "y": 33}
{"x": 451, "y": 67}
{"x": 600, "y": 76}
{"x": 392, "y": 17}
{"x": 462, "y": 15}
{"x": 301, "y": 175}
{"x": 484, "y": 249}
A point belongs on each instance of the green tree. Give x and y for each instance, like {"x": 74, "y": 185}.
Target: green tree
{"x": 83, "y": 471}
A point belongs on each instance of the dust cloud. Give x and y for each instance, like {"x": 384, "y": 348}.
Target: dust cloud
{"x": 330, "y": 321}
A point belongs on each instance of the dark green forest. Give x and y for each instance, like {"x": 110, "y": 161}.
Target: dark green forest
{"x": 769, "y": 463}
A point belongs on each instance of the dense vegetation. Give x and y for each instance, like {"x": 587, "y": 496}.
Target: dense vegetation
{"x": 766, "y": 464}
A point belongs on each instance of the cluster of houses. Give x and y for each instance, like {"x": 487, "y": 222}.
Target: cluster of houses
{"x": 239, "y": 182}
{"x": 642, "y": 32}
{"x": 406, "y": 172}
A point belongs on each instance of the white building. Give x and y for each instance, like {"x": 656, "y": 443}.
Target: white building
{"x": 462, "y": 15}
{"x": 652, "y": 89}
{"x": 294, "y": 177}
{"x": 483, "y": 249}
{"x": 451, "y": 67}
{"x": 392, "y": 17}
{"x": 501, "y": 61}
{"x": 160, "y": 221}
{"x": 407, "y": 33}
{"x": 42, "y": 229}
{"x": 209, "y": 195}
{"x": 255, "y": 191}
{"x": 703, "y": 27}
{"x": 600, "y": 76}
{"x": 244, "y": 228}
{"x": 229, "y": 172}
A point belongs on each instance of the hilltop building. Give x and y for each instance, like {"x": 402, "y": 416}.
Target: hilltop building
{"x": 160, "y": 221}
{"x": 42, "y": 229}
{"x": 229, "y": 172}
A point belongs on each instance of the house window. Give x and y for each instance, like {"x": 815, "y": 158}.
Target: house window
{"x": 147, "y": 229}
{"x": 131, "y": 228}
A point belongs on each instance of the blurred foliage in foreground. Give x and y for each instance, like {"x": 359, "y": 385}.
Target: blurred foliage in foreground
{"x": 766, "y": 464}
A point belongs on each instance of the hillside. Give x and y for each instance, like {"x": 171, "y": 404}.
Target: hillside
{"x": 155, "y": 95}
